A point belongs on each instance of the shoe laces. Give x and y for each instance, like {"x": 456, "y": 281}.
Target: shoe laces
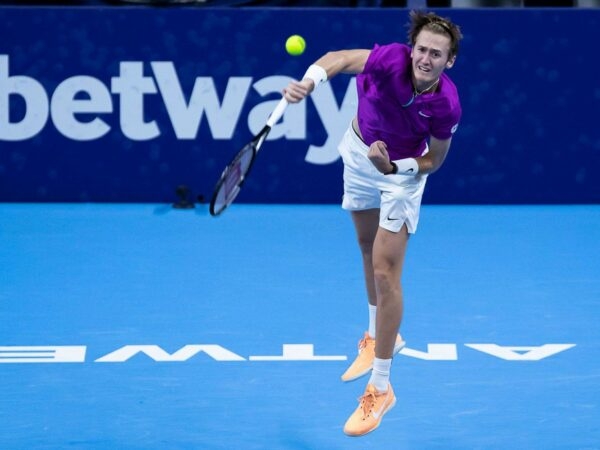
{"x": 362, "y": 344}
{"x": 367, "y": 400}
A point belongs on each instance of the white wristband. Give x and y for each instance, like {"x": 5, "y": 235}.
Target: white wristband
{"x": 406, "y": 166}
{"x": 316, "y": 73}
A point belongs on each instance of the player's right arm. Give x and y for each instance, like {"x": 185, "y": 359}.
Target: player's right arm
{"x": 341, "y": 61}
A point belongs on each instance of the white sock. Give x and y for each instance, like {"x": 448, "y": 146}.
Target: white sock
{"x": 372, "y": 320}
{"x": 380, "y": 375}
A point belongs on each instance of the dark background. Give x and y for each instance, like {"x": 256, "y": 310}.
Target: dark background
{"x": 529, "y": 90}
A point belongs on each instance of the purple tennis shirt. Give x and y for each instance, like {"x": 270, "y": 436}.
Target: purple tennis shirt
{"x": 385, "y": 111}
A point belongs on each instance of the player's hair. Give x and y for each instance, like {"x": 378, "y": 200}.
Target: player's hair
{"x": 420, "y": 20}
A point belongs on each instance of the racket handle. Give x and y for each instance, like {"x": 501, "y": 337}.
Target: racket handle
{"x": 277, "y": 112}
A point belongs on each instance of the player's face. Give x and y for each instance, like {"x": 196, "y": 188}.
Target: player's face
{"x": 430, "y": 56}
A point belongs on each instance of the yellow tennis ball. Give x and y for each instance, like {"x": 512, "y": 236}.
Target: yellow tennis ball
{"x": 295, "y": 45}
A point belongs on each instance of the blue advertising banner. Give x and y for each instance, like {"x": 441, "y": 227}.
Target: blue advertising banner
{"x": 124, "y": 104}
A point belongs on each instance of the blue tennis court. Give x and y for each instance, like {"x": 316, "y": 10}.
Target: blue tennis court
{"x": 137, "y": 326}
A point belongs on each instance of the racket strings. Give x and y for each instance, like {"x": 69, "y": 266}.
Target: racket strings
{"x": 232, "y": 179}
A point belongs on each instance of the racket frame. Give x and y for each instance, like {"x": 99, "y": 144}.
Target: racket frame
{"x": 255, "y": 144}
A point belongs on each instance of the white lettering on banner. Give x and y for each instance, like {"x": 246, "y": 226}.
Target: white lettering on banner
{"x": 78, "y": 103}
{"x": 131, "y": 85}
{"x": 64, "y": 106}
{"x": 293, "y": 123}
{"x": 336, "y": 121}
{"x": 36, "y": 105}
{"x": 290, "y": 352}
{"x": 185, "y": 117}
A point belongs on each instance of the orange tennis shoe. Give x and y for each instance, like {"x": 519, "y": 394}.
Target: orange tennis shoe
{"x": 363, "y": 363}
{"x": 371, "y": 408}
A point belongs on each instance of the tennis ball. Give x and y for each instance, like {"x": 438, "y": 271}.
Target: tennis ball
{"x": 295, "y": 45}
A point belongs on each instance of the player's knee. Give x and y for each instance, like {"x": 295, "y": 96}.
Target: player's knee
{"x": 386, "y": 280}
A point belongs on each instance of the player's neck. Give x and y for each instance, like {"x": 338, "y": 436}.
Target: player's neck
{"x": 425, "y": 89}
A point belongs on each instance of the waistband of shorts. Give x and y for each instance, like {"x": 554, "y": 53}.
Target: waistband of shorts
{"x": 356, "y": 138}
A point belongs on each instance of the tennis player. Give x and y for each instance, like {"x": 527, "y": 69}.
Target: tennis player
{"x": 408, "y": 111}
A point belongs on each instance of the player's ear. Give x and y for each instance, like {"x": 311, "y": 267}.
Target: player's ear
{"x": 450, "y": 62}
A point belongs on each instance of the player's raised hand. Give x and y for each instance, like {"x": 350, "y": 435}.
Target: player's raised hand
{"x": 296, "y": 91}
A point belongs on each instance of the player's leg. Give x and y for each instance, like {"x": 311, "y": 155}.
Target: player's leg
{"x": 366, "y": 224}
{"x": 399, "y": 215}
{"x": 388, "y": 259}
{"x": 362, "y": 198}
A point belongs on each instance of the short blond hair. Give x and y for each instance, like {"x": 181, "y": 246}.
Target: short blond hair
{"x": 421, "y": 20}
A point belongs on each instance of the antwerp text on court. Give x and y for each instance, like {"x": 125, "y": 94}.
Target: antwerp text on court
{"x": 289, "y": 352}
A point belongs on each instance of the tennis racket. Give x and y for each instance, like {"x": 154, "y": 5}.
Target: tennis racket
{"x": 229, "y": 185}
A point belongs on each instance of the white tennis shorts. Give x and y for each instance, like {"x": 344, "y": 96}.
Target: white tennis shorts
{"x": 398, "y": 197}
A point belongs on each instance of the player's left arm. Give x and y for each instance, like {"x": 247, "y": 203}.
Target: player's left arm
{"x": 428, "y": 163}
{"x": 434, "y": 158}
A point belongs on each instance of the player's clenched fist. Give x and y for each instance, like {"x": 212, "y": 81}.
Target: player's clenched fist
{"x": 379, "y": 156}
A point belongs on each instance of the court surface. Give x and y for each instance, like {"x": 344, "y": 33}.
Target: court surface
{"x": 187, "y": 332}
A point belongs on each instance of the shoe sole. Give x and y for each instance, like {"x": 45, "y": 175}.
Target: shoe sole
{"x": 397, "y": 348}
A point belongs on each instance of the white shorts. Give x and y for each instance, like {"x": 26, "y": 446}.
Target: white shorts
{"x": 398, "y": 197}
